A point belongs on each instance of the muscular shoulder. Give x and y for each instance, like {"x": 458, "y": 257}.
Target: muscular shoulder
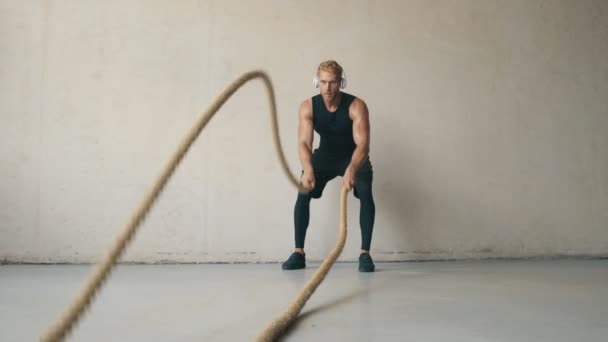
{"x": 358, "y": 108}
{"x": 305, "y": 110}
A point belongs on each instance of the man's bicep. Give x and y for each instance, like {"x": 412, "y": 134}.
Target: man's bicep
{"x": 305, "y": 131}
{"x": 361, "y": 124}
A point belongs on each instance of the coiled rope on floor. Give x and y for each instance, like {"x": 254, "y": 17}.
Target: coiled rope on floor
{"x": 67, "y": 321}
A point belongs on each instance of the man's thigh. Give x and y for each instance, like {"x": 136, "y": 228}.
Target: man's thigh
{"x": 321, "y": 180}
{"x": 364, "y": 179}
{"x": 324, "y": 171}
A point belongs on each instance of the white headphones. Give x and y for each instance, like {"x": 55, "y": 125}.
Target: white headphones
{"x": 343, "y": 82}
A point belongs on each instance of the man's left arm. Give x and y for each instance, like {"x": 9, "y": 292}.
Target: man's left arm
{"x": 360, "y": 116}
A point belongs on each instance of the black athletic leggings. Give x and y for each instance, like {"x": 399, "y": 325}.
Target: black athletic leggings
{"x": 324, "y": 172}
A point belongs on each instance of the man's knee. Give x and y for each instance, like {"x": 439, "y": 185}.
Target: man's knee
{"x": 363, "y": 185}
{"x": 303, "y": 199}
{"x": 363, "y": 193}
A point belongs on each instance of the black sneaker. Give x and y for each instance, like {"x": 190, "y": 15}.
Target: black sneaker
{"x": 365, "y": 263}
{"x": 295, "y": 262}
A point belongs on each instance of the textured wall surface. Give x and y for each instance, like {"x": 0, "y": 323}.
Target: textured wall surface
{"x": 489, "y": 127}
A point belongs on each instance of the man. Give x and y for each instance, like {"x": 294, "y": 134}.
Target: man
{"x": 342, "y": 122}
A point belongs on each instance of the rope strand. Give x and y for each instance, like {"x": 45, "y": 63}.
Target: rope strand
{"x": 76, "y": 310}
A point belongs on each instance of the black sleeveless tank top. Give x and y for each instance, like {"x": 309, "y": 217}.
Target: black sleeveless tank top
{"x": 334, "y": 128}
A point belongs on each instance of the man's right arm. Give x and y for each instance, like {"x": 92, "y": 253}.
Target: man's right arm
{"x": 305, "y": 135}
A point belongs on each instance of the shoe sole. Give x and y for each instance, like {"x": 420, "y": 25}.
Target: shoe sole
{"x": 367, "y": 270}
{"x": 291, "y": 269}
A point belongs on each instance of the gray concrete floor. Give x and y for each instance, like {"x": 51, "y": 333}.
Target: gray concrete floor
{"x": 532, "y": 300}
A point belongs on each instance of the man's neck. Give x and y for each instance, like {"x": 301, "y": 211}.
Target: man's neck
{"x": 333, "y": 104}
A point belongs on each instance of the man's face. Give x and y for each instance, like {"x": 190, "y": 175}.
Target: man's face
{"x": 329, "y": 85}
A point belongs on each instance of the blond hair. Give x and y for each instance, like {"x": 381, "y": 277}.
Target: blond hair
{"x": 330, "y": 66}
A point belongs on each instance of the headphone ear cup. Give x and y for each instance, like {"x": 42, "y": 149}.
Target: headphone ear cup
{"x": 315, "y": 81}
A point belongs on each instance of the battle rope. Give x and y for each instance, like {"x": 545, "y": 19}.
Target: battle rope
{"x": 71, "y": 316}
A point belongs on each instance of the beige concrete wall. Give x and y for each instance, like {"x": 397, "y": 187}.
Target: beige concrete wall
{"x": 489, "y": 126}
